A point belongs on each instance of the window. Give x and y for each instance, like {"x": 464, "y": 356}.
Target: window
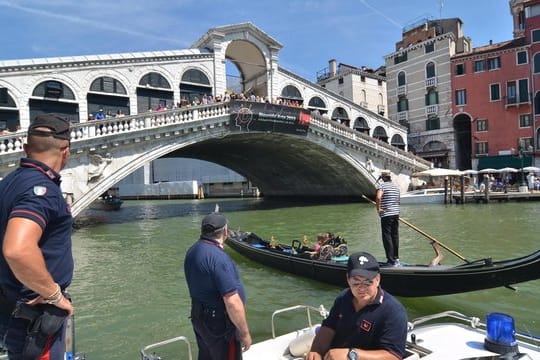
{"x": 460, "y": 69}
{"x": 430, "y": 70}
{"x": 401, "y": 79}
{"x": 536, "y": 35}
{"x": 481, "y": 125}
{"x": 511, "y": 92}
{"x": 536, "y": 63}
{"x": 429, "y": 47}
{"x": 432, "y": 97}
{"x": 340, "y": 80}
{"x": 400, "y": 58}
{"x": 362, "y": 78}
{"x": 494, "y": 92}
{"x": 433, "y": 123}
{"x": 479, "y": 65}
{"x": 523, "y": 90}
{"x": 461, "y": 97}
{"x": 402, "y": 105}
{"x": 481, "y": 148}
{"x": 525, "y": 120}
{"x": 527, "y": 143}
{"x": 522, "y": 57}
{"x": 494, "y": 63}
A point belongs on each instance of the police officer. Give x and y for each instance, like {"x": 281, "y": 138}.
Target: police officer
{"x": 36, "y": 262}
{"x": 217, "y": 294}
{"x": 365, "y": 321}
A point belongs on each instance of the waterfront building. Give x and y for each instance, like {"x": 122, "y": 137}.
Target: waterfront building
{"x": 362, "y": 85}
{"x": 418, "y": 81}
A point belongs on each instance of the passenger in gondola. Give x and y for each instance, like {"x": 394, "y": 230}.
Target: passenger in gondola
{"x": 365, "y": 322}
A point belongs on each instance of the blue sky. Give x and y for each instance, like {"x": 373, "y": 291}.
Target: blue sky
{"x": 355, "y": 32}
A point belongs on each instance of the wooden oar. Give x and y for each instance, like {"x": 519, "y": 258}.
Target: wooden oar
{"x": 423, "y": 233}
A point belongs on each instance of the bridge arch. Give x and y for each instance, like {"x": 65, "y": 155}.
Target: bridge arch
{"x": 250, "y": 61}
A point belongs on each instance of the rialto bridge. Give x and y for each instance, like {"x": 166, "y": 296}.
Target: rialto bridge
{"x": 324, "y": 145}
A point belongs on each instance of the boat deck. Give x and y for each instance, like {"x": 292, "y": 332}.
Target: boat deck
{"x": 478, "y": 197}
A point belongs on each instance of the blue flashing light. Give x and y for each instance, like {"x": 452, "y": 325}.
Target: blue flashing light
{"x": 501, "y": 333}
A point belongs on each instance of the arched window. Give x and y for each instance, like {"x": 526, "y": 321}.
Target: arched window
{"x": 108, "y": 85}
{"x": 401, "y": 79}
{"x": 361, "y": 125}
{"x": 195, "y": 76}
{"x": 291, "y": 92}
{"x": 316, "y": 102}
{"x": 537, "y": 103}
{"x": 380, "y": 133}
{"x": 537, "y": 63}
{"x": 53, "y": 89}
{"x": 340, "y": 115}
{"x": 430, "y": 70}
{"x": 398, "y": 142}
{"x": 155, "y": 80}
{"x": 363, "y": 95}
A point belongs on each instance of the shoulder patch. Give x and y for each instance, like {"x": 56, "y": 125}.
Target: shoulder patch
{"x": 40, "y": 190}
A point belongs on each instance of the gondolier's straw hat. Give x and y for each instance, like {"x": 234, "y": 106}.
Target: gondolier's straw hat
{"x": 362, "y": 264}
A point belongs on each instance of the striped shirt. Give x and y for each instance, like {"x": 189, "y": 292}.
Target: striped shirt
{"x": 390, "y": 198}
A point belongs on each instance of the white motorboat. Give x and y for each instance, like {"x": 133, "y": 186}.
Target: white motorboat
{"x": 423, "y": 196}
{"x": 446, "y": 335}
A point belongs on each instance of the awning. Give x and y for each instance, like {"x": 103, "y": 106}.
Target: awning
{"x": 502, "y": 161}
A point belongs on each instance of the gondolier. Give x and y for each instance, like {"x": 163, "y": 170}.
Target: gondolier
{"x": 387, "y": 200}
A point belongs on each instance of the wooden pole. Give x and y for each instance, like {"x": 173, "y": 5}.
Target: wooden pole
{"x": 424, "y": 233}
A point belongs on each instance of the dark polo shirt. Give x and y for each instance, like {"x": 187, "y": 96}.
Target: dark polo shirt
{"x": 33, "y": 192}
{"x": 211, "y": 274}
{"x": 381, "y": 325}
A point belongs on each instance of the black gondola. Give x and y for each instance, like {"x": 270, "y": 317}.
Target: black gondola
{"x": 406, "y": 280}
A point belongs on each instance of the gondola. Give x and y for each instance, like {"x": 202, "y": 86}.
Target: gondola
{"x": 406, "y": 280}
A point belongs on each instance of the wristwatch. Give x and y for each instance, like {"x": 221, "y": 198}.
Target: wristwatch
{"x": 352, "y": 355}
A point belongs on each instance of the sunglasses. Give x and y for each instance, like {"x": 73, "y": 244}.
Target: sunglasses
{"x": 361, "y": 283}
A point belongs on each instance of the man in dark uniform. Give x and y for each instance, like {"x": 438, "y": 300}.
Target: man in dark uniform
{"x": 217, "y": 295}
{"x": 36, "y": 262}
{"x": 365, "y": 321}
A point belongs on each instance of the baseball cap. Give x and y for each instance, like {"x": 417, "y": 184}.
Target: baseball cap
{"x": 362, "y": 264}
{"x": 58, "y": 125}
{"x": 213, "y": 222}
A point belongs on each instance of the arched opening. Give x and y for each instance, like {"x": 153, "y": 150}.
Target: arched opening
{"x": 53, "y": 96}
{"x": 290, "y": 95}
{"x": 401, "y": 79}
{"x": 153, "y": 93}
{"x": 233, "y": 78}
{"x": 361, "y": 125}
{"x": 9, "y": 114}
{"x": 252, "y": 74}
{"x": 437, "y": 153}
{"x": 380, "y": 134}
{"x": 430, "y": 70}
{"x": 317, "y": 104}
{"x": 195, "y": 88}
{"x": 340, "y": 115}
{"x": 398, "y": 142}
{"x": 537, "y": 103}
{"x": 538, "y": 139}
{"x": 107, "y": 96}
{"x": 463, "y": 144}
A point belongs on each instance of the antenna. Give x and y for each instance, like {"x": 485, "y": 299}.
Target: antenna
{"x": 441, "y": 4}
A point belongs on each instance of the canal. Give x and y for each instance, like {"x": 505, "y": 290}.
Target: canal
{"x": 129, "y": 288}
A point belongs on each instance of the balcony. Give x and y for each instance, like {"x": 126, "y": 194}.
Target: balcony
{"x": 402, "y": 116}
{"x": 432, "y": 109}
{"x": 381, "y": 109}
{"x": 402, "y": 90}
{"x": 431, "y": 82}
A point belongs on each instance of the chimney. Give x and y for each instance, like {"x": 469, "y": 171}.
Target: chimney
{"x": 490, "y": 42}
{"x": 332, "y": 67}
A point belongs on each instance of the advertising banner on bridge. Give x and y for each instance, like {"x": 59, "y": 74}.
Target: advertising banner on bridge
{"x": 255, "y": 116}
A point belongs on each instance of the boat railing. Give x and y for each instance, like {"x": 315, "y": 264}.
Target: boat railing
{"x": 471, "y": 320}
{"x": 321, "y": 310}
{"x": 145, "y": 355}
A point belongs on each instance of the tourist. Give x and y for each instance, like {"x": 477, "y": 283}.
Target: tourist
{"x": 217, "y": 294}
{"x": 365, "y": 321}
{"x": 36, "y": 262}
{"x": 387, "y": 200}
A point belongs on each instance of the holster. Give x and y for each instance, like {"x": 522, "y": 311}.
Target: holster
{"x": 44, "y": 321}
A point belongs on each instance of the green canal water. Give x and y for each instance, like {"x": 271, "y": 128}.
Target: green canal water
{"x": 129, "y": 288}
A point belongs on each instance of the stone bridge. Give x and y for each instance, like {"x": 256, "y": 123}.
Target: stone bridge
{"x": 330, "y": 160}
